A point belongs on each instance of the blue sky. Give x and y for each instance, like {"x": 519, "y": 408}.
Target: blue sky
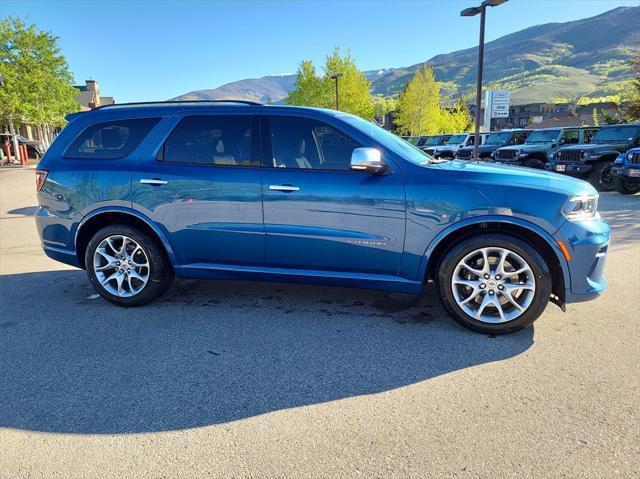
{"x": 154, "y": 50}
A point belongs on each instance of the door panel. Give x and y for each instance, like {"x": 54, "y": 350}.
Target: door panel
{"x": 208, "y": 201}
{"x": 319, "y": 214}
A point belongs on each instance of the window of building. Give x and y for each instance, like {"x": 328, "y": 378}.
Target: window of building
{"x": 110, "y": 140}
{"x": 309, "y": 144}
{"x": 212, "y": 140}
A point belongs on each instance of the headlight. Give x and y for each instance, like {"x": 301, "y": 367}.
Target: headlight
{"x": 580, "y": 207}
{"x": 628, "y": 156}
{"x": 583, "y": 154}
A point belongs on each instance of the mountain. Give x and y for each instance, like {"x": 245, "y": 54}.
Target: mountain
{"x": 585, "y": 57}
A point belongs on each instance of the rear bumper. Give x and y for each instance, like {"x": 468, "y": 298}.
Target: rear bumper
{"x": 588, "y": 243}
{"x": 55, "y": 236}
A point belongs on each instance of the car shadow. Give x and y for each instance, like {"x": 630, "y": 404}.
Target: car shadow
{"x": 210, "y": 352}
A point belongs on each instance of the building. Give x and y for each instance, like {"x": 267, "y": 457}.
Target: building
{"x": 90, "y": 98}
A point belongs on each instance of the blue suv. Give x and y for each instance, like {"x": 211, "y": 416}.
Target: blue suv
{"x": 138, "y": 193}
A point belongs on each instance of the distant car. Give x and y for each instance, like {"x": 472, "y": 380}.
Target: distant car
{"x": 453, "y": 144}
{"x": 626, "y": 172}
{"x": 541, "y": 145}
{"x": 136, "y": 194}
{"x": 35, "y": 149}
{"x": 493, "y": 142}
{"x": 427, "y": 142}
{"x": 594, "y": 161}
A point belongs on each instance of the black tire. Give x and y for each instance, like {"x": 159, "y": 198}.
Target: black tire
{"x": 534, "y": 163}
{"x": 537, "y": 264}
{"x": 625, "y": 188}
{"x": 600, "y": 177}
{"x": 160, "y": 271}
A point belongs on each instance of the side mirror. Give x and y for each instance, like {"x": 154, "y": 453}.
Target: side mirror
{"x": 368, "y": 160}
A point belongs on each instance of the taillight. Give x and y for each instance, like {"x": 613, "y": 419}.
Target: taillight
{"x": 41, "y": 177}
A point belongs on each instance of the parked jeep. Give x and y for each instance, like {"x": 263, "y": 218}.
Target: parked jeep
{"x": 493, "y": 142}
{"x": 425, "y": 142}
{"x": 626, "y": 172}
{"x": 541, "y": 145}
{"x": 594, "y": 161}
{"x": 454, "y": 143}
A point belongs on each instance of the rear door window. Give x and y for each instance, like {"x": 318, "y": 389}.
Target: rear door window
{"x": 110, "y": 140}
{"x": 217, "y": 140}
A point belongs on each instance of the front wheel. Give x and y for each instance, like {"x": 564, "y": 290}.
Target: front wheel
{"x": 624, "y": 187}
{"x": 494, "y": 284}
{"x": 600, "y": 176}
{"x": 127, "y": 266}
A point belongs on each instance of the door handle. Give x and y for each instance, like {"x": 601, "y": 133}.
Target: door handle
{"x": 287, "y": 188}
{"x": 153, "y": 181}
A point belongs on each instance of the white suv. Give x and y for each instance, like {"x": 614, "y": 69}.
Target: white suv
{"x": 453, "y": 144}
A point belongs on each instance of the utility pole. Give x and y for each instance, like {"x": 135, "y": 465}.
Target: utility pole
{"x": 472, "y": 12}
{"x": 336, "y": 77}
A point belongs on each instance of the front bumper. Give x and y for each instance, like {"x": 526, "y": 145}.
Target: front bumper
{"x": 579, "y": 170}
{"x": 630, "y": 174}
{"x": 587, "y": 243}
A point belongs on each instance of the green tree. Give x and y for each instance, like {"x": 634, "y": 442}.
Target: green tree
{"x": 458, "y": 119}
{"x": 419, "y": 112}
{"x": 312, "y": 89}
{"x": 418, "y": 109}
{"x": 38, "y": 85}
{"x": 632, "y": 112}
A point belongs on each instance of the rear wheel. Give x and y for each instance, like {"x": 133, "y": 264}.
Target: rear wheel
{"x": 624, "y": 187}
{"x": 126, "y": 266}
{"x": 494, "y": 284}
{"x": 600, "y": 176}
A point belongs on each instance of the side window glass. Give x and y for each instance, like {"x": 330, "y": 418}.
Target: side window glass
{"x": 571, "y": 137}
{"x": 309, "y": 144}
{"x": 110, "y": 140}
{"x": 211, "y": 140}
{"x": 588, "y": 134}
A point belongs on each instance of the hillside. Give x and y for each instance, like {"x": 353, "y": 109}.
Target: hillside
{"x": 580, "y": 58}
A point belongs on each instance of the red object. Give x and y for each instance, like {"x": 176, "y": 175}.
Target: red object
{"x": 7, "y": 149}
{"x": 24, "y": 155}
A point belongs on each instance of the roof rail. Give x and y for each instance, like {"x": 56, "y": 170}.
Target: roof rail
{"x": 170, "y": 102}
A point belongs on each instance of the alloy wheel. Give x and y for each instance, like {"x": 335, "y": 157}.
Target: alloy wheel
{"x": 121, "y": 266}
{"x": 493, "y": 285}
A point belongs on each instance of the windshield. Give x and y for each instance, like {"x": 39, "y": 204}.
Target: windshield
{"x": 497, "y": 138}
{"x": 21, "y": 138}
{"x": 618, "y": 133}
{"x": 457, "y": 139}
{"x": 435, "y": 140}
{"x": 543, "y": 136}
{"x": 389, "y": 140}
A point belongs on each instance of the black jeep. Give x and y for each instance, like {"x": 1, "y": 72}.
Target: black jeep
{"x": 594, "y": 161}
{"x": 493, "y": 142}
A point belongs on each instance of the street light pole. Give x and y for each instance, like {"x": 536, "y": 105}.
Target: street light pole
{"x": 335, "y": 77}
{"x": 471, "y": 12}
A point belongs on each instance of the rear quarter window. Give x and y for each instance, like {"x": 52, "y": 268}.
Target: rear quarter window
{"x": 111, "y": 139}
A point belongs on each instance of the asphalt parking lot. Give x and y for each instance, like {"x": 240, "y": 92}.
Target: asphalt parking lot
{"x": 232, "y": 379}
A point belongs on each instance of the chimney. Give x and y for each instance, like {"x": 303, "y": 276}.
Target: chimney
{"x": 92, "y": 86}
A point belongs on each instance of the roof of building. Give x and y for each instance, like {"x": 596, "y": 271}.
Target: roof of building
{"x": 558, "y": 120}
